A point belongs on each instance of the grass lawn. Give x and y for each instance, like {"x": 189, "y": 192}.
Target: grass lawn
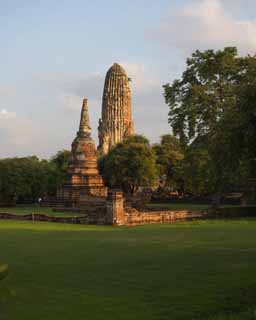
{"x": 192, "y": 270}
{"x": 26, "y": 209}
{"x": 178, "y": 206}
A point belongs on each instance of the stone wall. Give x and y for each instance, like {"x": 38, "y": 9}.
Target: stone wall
{"x": 104, "y": 218}
{"x": 120, "y": 215}
{"x": 111, "y": 212}
{"x": 135, "y": 217}
{"x": 99, "y": 218}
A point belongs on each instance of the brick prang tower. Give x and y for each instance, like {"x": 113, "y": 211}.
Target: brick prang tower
{"x": 116, "y": 119}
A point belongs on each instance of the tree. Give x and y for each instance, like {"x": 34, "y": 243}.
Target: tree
{"x": 129, "y": 165}
{"x": 245, "y": 130}
{"x": 196, "y": 169}
{"x": 209, "y": 104}
{"x": 28, "y": 178}
{"x": 61, "y": 160}
{"x": 169, "y": 156}
{"x": 19, "y": 178}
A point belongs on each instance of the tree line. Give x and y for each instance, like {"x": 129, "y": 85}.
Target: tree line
{"x": 28, "y": 178}
{"x": 212, "y": 148}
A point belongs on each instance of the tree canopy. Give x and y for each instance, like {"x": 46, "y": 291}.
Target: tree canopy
{"x": 214, "y": 103}
{"x": 27, "y": 178}
{"x": 130, "y": 164}
{"x": 169, "y": 156}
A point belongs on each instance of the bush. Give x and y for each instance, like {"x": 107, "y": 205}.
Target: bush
{"x": 4, "y": 269}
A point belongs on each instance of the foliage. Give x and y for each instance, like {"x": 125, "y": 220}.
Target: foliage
{"x": 4, "y": 292}
{"x": 61, "y": 160}
{"x": 245, "y": 130}
{"x": 169, "y": 161}
{"x": 214, "y": 103}
{"x": 129, "y": 164}
{"x": 197, "y": 169}
{"x": 4, "y": 269}
{"x": 26, "y": 179}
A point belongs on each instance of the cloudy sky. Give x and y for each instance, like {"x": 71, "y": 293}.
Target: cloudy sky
{"x": 54, "y": 53}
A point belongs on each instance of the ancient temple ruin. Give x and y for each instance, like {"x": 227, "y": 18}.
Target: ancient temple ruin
{"x": 83, "y": 179}
{"x": 83, "y": 190}
{"x": 116, "y": 119}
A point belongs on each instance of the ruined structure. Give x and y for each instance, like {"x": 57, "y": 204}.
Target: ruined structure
{"x": 116, "y": 120}
{"x": 83, "y": 190}
{"x": 82, "y": 180}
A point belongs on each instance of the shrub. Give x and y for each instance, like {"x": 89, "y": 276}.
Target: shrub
{"x": 4, "y": 269}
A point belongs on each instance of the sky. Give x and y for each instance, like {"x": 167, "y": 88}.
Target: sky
{"x": 55, "y": 53}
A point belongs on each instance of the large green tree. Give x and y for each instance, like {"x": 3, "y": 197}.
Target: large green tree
{"x": 245, "y": 130}
{"x": 214, "y": 102}
{"x": 196, "y": 169}
{"x": 169, "y": 156}
{"x": 129, "y": 165}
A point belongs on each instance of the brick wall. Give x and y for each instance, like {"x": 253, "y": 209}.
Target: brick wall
{"x": 97, "y": 218}
{"x": 134, "y": 217}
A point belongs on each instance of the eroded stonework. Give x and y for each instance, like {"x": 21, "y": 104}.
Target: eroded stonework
{"x": 116, "y": 119}
{"x": 83, "y": 179}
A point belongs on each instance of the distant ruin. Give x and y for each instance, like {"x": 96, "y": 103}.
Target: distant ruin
{"x": 83, "y": 190}
{"x": 83, "y": 180}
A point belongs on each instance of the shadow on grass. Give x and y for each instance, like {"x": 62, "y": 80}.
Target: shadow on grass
{"x": 238, "y": 306}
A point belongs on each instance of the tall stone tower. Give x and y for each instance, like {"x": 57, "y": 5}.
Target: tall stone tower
{"x": 116, "y": 119}
{"x": 82, "y": 179}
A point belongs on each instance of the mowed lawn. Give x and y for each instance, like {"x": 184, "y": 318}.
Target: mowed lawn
{"x": 28, "y": 209}
{"x": 191, "y": 270}
{"x": 178, "y": 206}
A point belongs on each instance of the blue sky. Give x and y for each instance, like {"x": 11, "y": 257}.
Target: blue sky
{"x": 54, "y": 53}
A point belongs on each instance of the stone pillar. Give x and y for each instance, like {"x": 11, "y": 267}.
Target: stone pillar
{"x": 115, "y": 208}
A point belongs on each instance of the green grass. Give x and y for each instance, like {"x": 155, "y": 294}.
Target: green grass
{"x": 192, "y": 270}
{"x": 177, "y": 206}
{"x": 25, "y": 209}
{"x": 184, "y": 206}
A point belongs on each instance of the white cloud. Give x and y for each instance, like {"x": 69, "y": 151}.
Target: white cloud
{"x": 205, "y": 24}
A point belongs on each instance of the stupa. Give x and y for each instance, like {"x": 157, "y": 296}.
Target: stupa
{"x": 83, "y": 179}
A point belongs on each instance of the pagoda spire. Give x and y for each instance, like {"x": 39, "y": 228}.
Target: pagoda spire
{"x": 84, "y": 126}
